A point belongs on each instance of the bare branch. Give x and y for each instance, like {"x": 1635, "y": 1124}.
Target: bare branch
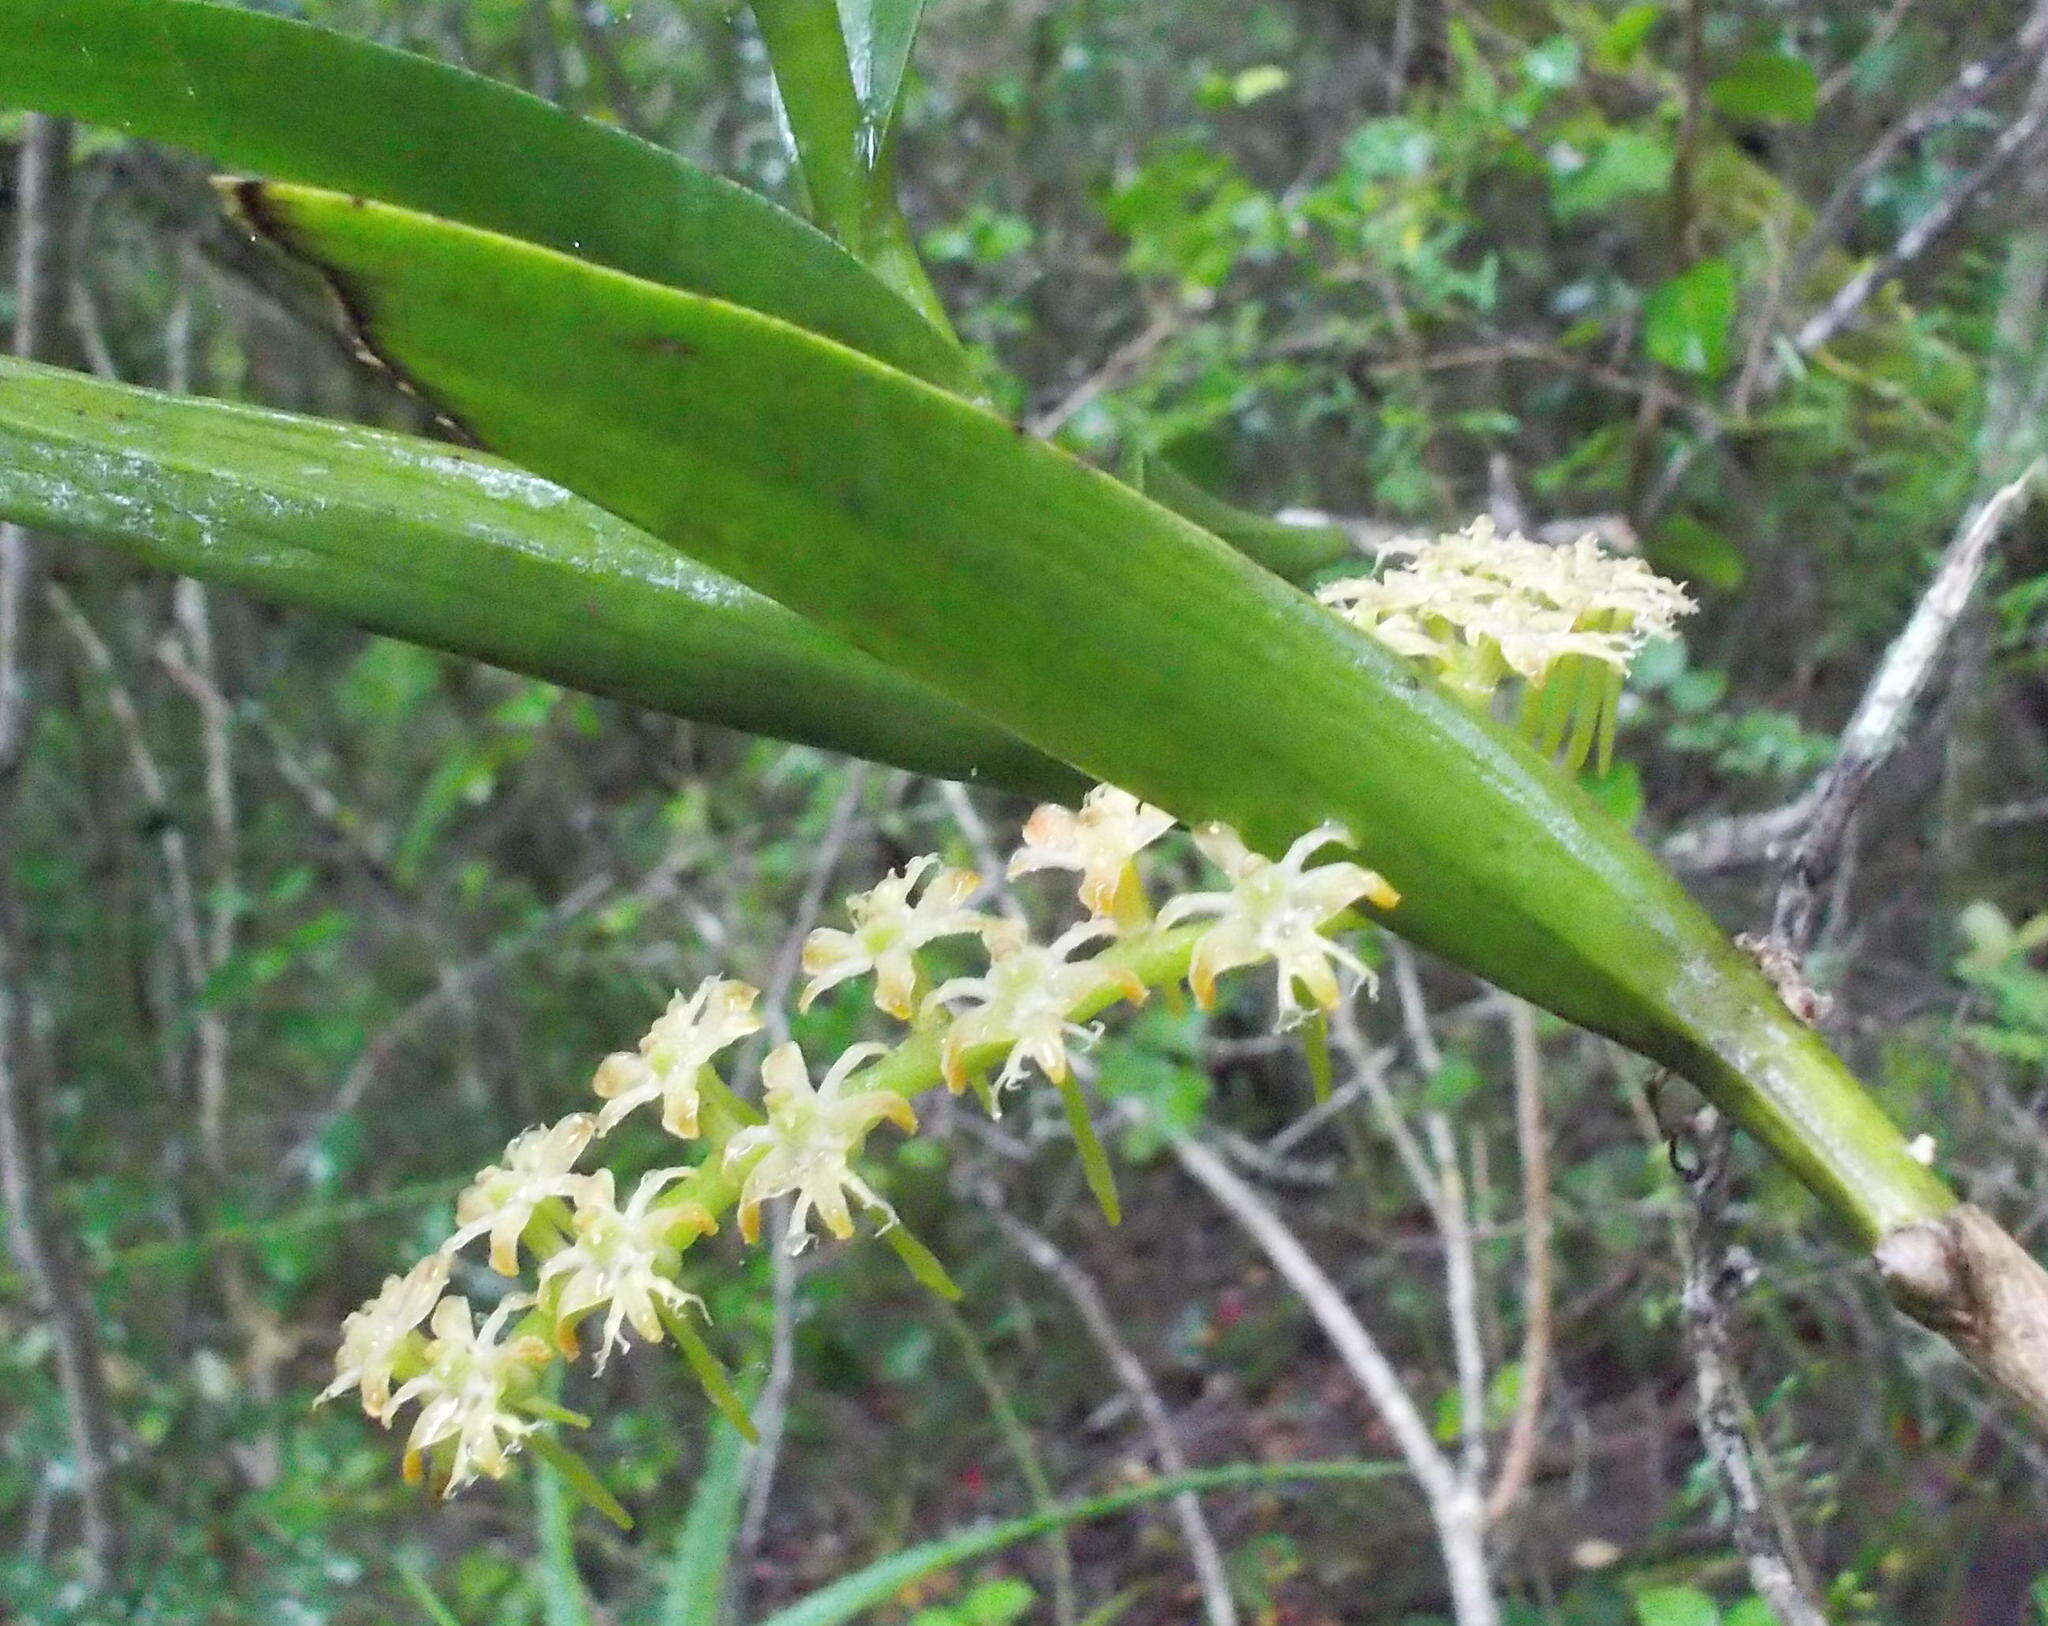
{"x": 1882, "y": 715}
{"x": 40, "y": 1248}
{"x": 1136, "y": 1382}
{"x": 1454, "y": 1506}
{"x": 1532, "y": 1141}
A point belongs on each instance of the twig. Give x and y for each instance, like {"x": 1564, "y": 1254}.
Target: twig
{"x": 1850, "y": 299}
{"x": 1970, "y": 85}
{"x": 1455, "y": 1507}
{"x": 1883, "y": 713}
{"x": 41, "y": 1250}
{"x": 1136, "y": 1382}
{"x": 1925, "y": 232}
{"x": 1065, "y": 1598}
{"x": 1712, "y": 1268}
{"x": 1874, "y": 732}
{"x": 771, "y": 1407}
{"x": 1714, "y": 1272}
{"x": 1532, "y": 1142}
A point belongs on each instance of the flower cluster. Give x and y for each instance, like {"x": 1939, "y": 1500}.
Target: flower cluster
{"x": 592, "y": 1260}
{"x": 1478, "y": 609}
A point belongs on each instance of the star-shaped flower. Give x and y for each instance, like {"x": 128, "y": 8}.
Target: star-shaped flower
{"x": 469, "y": 1393}
{"x": 809, "y": 1141}
{"x": 675, "y": 1052}
{"x": 373, "y": 1337}
{"x": 1275, "y": 911}
{"x": 502, "y": 1199}
{"x": 625, "y": 1257}
{"x": 1025, "y": 1000}
{"x": 889, "y": 929}
{"x": 1102, "y": 841}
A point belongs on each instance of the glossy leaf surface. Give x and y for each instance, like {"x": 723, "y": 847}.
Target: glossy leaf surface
{"x": 282, "y": 99}
{"x": 461, "y": 553}
{"x": 1098, "y": 626}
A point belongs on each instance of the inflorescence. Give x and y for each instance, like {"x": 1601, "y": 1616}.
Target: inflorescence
{"x": 602, "y": 1271}
{"x": 1480, "y": 610}
{"x": 1475, "y": 608}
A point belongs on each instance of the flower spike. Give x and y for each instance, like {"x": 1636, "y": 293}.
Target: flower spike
{"x": 809, "y": 1141}
{"x": 888, "y": 930}
{"x": 501, "y": 1201}
{"x": 1275, "y": 911}
{"x": 675, "y": 1051}
{"x": 1102, "y": 841}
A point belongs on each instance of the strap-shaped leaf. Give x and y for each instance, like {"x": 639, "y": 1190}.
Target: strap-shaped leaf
{"x": 279, "y": 98}
{"x": 1101, "y": 628}
{"x": 839, "y": 68}
{"x": 1289, "y": 550}
{"x": 461, "y": 553}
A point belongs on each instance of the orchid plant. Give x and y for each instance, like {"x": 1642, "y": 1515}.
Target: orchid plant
{"x": 735, "y": 465}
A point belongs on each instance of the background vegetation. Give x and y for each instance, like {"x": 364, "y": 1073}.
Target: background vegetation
{"x": 310, "y": 923}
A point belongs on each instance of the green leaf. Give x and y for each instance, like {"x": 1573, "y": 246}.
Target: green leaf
{"x": 1626, "y": 164}
{"x": 279, "y": 98}
{"x": 1675, "y": 1606}
{"x": 879, "y": 34}
{"x": 845, "y": 1599}
{"x": 1687, "y": 319}
{"x": 1683, "y": 546}
{"x": 693, "y": 1589}
{"x": 1767, "y": 85}
{"x": 1099, "y": 627}
{"x": 1626, "y": 36}
{"x": 1287, "y": 550}
{"x": 563, "y": 1599}
{"x": 839, "y": 85}
{"x": 462, "y": 553}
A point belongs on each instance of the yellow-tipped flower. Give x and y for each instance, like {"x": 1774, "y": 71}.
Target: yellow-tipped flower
{"x": 1023, "y": 1001}
{"x": 1102, "y": 841}
{"x": 624, "y": 1258}
{"x": 808, "y": 1144}
{"x": 888, "y": 930}
{"x": 674, "y": 1052}
{"x": 373, "y": 1337}
{"x": 502, "y": 1199}
{"x": 470, "y": 1391}
{"x": 1276, "y": 911}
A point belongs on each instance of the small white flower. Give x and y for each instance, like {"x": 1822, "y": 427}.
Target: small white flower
{"x": 1102, "y": 841}
{"x": 889, "y": 929}
{"x": 625, "y": 1257}
{"x": 674, "y": 1053}
{"x": 502, "y": 1198}
{"x": 1275, "y": 911}
{"x": 473, "y": 1380}
{"x": 1026, "y": 1001}
{"x": 372, "y": 1337}
{"x": 809, "y": 1141}
{"x": 1475, "y": 605}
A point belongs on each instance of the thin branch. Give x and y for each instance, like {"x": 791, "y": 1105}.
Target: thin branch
{"x": 1884, "y": 712}
{"x": 1100, "y": 1322}
{"x": 771, "y": 1407}
{"x": 1932, "y": 226}
{"x": 1532, "y": 1141}
{"x": 1454, "y": 1506}
{"x": 1714, "y": 1272}
{"x": 41, "y": 1249}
